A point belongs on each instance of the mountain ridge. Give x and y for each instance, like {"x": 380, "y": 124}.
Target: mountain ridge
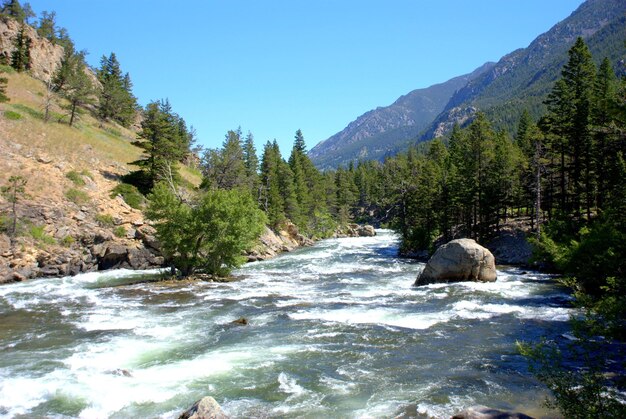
{"x": 405, "y": 118}
{"x": 520, "y": 80}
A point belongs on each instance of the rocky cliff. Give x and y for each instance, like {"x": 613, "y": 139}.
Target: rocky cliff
{"x": 44, "y": 55}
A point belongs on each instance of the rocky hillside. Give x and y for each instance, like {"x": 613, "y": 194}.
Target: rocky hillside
{"x": 387, "y": 130}
{"x": 523, "y": 78}
{"x": 44, "y": 55}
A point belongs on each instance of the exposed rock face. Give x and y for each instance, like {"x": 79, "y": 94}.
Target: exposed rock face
{"x": 44, "y": 55}
{"x": 205, "y": 408}
{"x": 459, "y": 260}
{"x": 356, "y": 230}
{"x": 482, "y": 412}
{"x": 272, "y": 243}
{"x": 511, "y": 247}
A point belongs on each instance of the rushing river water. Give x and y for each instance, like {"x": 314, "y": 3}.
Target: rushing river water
{"x": 335, "y": 330}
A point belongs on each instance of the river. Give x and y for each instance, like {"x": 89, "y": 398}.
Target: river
{"x": 335, "y": 330}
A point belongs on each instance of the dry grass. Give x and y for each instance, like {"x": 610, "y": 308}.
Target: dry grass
{"x": 87, "y": 145}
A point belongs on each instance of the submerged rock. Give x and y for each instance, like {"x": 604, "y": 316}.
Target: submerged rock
{"x": 483, "y": 412}
{"x": 459, "y": 260}
{"x": 205, "y": 408}
{"x": 241, "y": 321}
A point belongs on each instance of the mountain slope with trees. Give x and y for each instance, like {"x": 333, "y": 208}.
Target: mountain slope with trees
{"x": 385, "y": 131}
{"x": 520, "y": 80}
{"x": 523, "y": 78}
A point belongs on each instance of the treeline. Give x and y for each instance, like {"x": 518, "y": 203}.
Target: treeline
{"x": 290, "y": 189}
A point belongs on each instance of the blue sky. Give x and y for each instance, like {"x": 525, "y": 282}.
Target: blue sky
{"x": 273, "y": 67}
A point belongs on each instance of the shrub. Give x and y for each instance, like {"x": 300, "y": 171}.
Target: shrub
{"x": 13, "y": 116}
{"x": 67, "y": 241}
{"x": 130, "y": 193}
{"x": 119, "y": 231}
{"x": 105, "y": 220}
{"x": 76, "y": 196}
{"x": 6, "y": 69}
{"x": 38, "y": 233}
{"x": 209, "y": 236}
{"x": 75, "y": 177}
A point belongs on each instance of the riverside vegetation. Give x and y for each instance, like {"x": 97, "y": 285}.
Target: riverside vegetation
{"x": 565, "y": 172}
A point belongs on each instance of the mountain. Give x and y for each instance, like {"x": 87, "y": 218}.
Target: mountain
{"x": 387, "y": 130}
{"x": 519, "y": 80}
{"x": 523, "y": 78}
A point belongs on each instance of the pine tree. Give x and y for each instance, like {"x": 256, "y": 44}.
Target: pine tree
{"x": 569, "y": 120}
{"x": 225, "y": 168}
{"x": 271, "y": 199}
{"x": 73, "y": 84}
{"x": 165, "y": 142}
{"x": 20, "y": 57}
{"x": 251, "y": 163}
{"x": 47, "y": 26}
{"x": 116, "y": 101}
{"x": 14, "y": 9}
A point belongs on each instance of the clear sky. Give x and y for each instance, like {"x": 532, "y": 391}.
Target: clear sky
{"x": 273, "y": 67}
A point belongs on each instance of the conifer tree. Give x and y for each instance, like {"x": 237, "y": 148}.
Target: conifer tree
{"x": 20, "y": 57}
{"x": 116, "y": 101}
{"x": 271, "y": 199}
{"x": 14, "y": 9}
{"x": 73, "y": 84}
{"x": 251, "y": 163}
{"x": 225, "y": 168}
{"x": 165, "y": 142}
{"x": 47, "y": 26}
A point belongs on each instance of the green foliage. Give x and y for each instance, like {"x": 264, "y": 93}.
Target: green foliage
{"x": 73, "y": 83}
{"x": 130, "y": 193}
{"x": 165, "y": 140}
{"x": 119, "y": 231}
{"x": 208, "y": 235}
{"x": 20, "y": 57}
{"x": 75, "y": 177}
{"x": 583, "y": 392}
{"x": 105, "y": 220}
{"x": 3, "y": 90}
{"x": 13, "y": 116}
{"x": 68, "y": 241}
{"x": 116, "y": 101}
{"x": 28, "y": 110}
{"x": 14, "y": 9}
{"x": 77, "y": 196}
{"x": 38, "y": 233}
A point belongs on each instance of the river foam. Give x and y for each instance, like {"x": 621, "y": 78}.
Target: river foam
{"x": 336, "y": 330}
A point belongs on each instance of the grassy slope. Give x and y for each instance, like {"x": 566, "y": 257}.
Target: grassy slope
{"x": 85, "y": 146}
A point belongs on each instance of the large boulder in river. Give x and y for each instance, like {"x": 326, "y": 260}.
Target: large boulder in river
{"x": 459, "y": 260}
{"x": 205, "y": 408}
{"x": 482, "y": 412}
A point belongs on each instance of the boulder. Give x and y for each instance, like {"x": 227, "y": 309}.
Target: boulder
{"x": 205, "y": 408}
{"x": 459, "y": 260}
{"x": 482, "y": 412}
{"x": 366, "y": 231}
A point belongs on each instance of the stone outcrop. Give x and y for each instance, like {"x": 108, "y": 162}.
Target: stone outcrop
{"x": 205, "y": 408}
{"x": 356, "y": 230}
{"x": 510, "y": 246}
{"x": 459, "y": 260}
{"x": 272, "y": 243}
{"x": 482, "y": 412}
{"x": 44, "y": 55}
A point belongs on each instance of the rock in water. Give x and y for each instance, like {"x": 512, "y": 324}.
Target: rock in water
{"x": 459, "y": 260}
{"x": 482, "y": 412}
{"x": 205, "y": 408}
